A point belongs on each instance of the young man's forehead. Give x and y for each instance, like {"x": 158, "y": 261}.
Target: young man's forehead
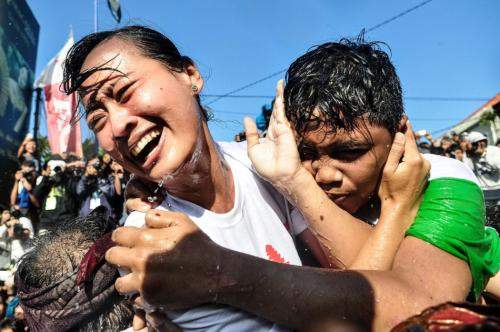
{"x": 323, "y": 138}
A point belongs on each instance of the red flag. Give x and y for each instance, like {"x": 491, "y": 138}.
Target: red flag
{"x": 60, "y": 108}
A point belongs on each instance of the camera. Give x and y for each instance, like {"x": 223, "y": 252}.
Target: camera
{"x": 18, "y": 231}
{"x": 56, "y": 167}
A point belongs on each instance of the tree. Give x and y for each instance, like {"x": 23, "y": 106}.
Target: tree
{"x": 43, "y": 148}
{"x": 89, "y": 148}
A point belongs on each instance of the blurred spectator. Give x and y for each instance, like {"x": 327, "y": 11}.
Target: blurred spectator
{"x": 498, "y": 143}
{"x": 424, "y": 146}
{"x": 56, "y": 195}
{"x": 27, "y": 151}
{"x": 21, "y": 195}
{"x": 17, "y": 231}
{"x": 74, "y": 166}
{"x": 484, "y": 160}
{"x": 12, "y": 325}
{"x": 457, "y": 152}
{"x": 455, "y": 137}
{"x": 119, "y": 182}
{"x": 106, "y": 163}
{"x": 96, "y": 187}
{"x": 240, "y": 137}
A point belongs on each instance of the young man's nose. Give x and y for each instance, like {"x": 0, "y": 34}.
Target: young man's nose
{"x": 326, "y": 173}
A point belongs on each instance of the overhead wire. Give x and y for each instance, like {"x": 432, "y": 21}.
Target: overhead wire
{"x": 423, "y": 98}
{"x": 265, "y": 78}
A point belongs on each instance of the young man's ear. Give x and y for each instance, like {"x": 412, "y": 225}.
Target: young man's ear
{"x": 402, "y": 123}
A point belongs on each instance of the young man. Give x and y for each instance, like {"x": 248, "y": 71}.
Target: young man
{"x": 344, "y": 102}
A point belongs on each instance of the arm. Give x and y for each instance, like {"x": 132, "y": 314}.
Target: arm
{"x": 29, "y": 187}
{"x": 42, "y": 189}
{"x": 317, "y": 299}
{"x": 117, "y": 183}
{"x": 21, "y": 148}
{"x": 15, "y": 188}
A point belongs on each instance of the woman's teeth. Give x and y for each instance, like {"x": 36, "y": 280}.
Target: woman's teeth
{"x": 144, "y": 141}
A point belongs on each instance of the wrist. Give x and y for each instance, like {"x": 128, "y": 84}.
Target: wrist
{"x": 396, "y": 218}
{"x": 295, "y": 183}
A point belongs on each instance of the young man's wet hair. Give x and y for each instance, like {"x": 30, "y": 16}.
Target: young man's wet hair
{"x": 337, "y": 83}
{"x": 48, "y": 277}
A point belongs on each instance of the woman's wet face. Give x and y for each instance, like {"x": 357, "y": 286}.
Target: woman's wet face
{"x": 143, "y": 114}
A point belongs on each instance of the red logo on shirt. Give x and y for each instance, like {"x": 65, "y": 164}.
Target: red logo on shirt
{"x": 274, "y": 255}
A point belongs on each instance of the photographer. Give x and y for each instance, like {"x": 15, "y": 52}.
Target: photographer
{"x": 75, "y": 166}
{"x": 119, "y": 181}
{"x": 56, "y": 195}
{"x": 21, "y": 195}
{"x": 484, "y": 160}
{"x": 18, "y": 230}
{"x": 96, "y": 187}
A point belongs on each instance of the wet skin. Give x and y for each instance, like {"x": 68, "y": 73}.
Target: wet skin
{"x": 347, "y": 166}
{"x": 141, "y": 95}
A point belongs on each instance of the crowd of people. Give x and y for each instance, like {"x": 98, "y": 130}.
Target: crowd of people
{"x": 44, "y": 195}
{"x": 482, "y": 157}
{"x": 226, "y": 233}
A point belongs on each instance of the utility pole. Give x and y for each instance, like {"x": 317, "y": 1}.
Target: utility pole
{"x": 38, "y": 103}
{"x": 96, "y": 16}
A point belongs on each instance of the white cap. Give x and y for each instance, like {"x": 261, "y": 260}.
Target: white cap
{"x": 475, "y": 136}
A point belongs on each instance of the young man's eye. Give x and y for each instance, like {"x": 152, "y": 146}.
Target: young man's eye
{"x": 349, "y": 155}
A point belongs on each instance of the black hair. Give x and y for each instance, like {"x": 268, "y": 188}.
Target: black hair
{"x": 149, "y": 42}
{"x": 11, "y": 323}
{"x": 343, "y": 82}
{"x": 28, "y": 163}
{"x": 59, "y": 253}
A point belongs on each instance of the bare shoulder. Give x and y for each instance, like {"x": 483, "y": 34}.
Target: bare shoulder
{"x": 432, "y": 271}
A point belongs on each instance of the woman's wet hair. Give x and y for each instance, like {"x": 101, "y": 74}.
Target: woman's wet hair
{"x": 151, "y": 43}
{"x": 335, "y": 84}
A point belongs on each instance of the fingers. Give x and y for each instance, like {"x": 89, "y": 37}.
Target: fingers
{"x": 411, "y": 148}
{"x": 279, "y": 104}
{"x": 136, "y": 204}
{"x": 163, "y": 219}
{"x": 127, "y": 284}
{"x": 126, "y": 236}
{"x": 277, "y": 109}
{"x": 395, "y": 154}
{"x": 120, "y": 257}
{"x": 139, "y": 321}
{"x": 251, "y": 133}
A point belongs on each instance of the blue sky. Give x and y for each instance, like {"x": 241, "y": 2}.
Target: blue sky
{"x": 446, "y": 48}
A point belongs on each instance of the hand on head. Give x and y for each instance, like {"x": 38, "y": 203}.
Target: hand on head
{"x": 275, "y": 157}
{"x": 405, "y": 175}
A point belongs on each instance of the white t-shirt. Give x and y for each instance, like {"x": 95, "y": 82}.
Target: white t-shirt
{"x": 255, "y": 226}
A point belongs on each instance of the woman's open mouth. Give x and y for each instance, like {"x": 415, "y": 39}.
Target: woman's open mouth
{"x": 147, "y": 148}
